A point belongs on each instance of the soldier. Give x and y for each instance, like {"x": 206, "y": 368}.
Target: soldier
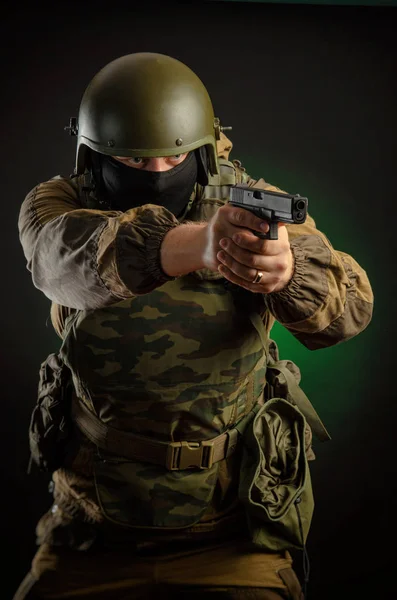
{"x": 164, "y": 299}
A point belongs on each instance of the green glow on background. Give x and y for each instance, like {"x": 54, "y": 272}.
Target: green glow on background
{"x": 332, "y": 377}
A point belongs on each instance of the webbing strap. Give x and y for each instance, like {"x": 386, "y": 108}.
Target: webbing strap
{"x": 172, "y": 455}
{"x": 302, "y": 402}
{"x": 298, "y": 395}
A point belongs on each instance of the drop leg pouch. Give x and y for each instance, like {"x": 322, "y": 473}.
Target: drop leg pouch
{"x": 275, "y": 484}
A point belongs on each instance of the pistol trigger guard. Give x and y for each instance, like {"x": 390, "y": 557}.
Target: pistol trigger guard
{"x": 272, "y": 234}
{"x": 263, "y": 236}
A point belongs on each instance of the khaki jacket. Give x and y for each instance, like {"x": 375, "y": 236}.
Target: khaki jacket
{"x": 87, "y": 259}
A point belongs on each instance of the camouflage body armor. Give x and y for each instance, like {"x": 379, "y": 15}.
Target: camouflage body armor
{"x": 182, "y": 363}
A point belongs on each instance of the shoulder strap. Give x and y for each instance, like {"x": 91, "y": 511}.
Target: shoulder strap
{"x": 218, "y": 188}
{"x": 227, "y": 172}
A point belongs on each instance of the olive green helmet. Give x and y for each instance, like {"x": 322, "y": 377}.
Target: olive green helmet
{"x": 145, "y": 105}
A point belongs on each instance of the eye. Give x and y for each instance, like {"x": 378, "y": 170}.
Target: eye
{"x": 135, "y": 160}
{"x": 178, "y": 157}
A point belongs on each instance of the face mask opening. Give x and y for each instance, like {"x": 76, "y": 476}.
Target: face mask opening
{"x": 125, "y": 187}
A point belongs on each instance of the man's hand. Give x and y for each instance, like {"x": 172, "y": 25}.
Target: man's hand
{"x": 242, "y": 257}
{"x": 226, "y": 244}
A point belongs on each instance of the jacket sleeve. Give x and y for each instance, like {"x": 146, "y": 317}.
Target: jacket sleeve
{"x": 329, "y": 298}
{"x": 83, "y": 258}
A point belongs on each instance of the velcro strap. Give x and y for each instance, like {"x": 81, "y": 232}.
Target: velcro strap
{"x": 171, "y": 455}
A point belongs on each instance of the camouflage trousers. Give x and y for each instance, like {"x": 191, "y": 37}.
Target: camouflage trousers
{"x": 220, "y": 571}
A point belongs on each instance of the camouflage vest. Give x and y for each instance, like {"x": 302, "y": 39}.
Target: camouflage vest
{"x": 184, "y": 362}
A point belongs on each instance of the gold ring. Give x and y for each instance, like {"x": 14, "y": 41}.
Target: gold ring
{"x": 258, "y": 277}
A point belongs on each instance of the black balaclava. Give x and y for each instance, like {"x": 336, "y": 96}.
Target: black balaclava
{"x": 125, "y": 187}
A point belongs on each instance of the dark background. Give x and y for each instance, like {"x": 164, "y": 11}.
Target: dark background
{"x": 310, "y": 92}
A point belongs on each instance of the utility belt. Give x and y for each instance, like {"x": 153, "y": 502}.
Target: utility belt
{"x": 173, "y": 456}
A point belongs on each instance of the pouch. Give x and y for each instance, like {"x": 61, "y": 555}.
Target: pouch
{"x": 50, "y": 422}
{"x": 275, "y": 483}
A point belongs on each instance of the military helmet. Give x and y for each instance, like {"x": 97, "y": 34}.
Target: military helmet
{"x": 145, "y": 105}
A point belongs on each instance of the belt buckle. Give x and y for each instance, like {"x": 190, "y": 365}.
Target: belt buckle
{"x": 187, "y": 455}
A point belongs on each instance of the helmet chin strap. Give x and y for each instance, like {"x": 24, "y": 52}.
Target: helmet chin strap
{"x": 93, "y": 179}
{"x": 202, "y": 165}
